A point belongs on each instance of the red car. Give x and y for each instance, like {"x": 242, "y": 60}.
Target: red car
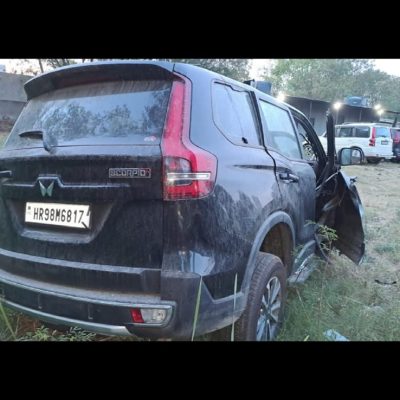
{"x": 396, "y": 143}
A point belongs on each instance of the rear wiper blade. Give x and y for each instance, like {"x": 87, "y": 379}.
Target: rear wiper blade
{"x": 36, "y": 134}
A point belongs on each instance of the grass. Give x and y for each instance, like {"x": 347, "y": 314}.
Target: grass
{"x": 360, "y": 302}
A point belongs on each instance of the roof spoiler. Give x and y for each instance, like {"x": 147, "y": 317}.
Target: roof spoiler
{"x": 79, "y": 74}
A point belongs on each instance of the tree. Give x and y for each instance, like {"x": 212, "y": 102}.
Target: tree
{"x": 334, "y": 79}
{"x": 25, "y": 67}
{"x": 235, "y": 68}
{"x": 381, "y": 88}
{"x": 58, "y": 62}
{"x": 324, "y": 79}
{"x": 37, "y": 66}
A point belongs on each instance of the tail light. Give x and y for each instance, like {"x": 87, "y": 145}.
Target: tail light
{"x": 188, "y": 171}
{"x": 373, "y": 137}
{"x": 145, "y": 315}
{"x": 137, "y": 317}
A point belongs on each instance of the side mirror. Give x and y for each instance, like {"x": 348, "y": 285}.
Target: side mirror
{"x": 350, "y": 156}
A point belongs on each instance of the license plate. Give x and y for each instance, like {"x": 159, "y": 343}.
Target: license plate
{"x": 70, "y": 215}
{"x": 384, "y": 142}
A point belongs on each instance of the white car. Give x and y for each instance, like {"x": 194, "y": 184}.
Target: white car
{"x": 373, "y": 139}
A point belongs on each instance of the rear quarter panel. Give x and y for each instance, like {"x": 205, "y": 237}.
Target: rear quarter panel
{"x": 213, "y": 236}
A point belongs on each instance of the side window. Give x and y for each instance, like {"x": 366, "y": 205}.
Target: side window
{"x": 361, "y": 132}
{"x": 234, "y": 114}
{"x": 344, "y": 132}
{"x": 280, "y": 133}
{"x": 382, "y": 132}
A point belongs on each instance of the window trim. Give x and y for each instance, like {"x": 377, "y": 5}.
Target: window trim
{"x": 258, "y": 128}
{"x": 265, "y": 130}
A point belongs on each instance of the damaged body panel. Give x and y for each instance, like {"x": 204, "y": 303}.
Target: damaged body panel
{"x": 349, "y": 221}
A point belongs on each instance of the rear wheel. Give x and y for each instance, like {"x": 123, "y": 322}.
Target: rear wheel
{"x": 263, "y": 315}
{"x": 373, "y": 160}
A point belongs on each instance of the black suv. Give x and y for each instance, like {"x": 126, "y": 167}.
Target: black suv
{"x": 133, "y": 192}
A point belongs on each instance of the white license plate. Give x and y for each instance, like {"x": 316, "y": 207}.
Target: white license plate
{"x": 70, "y": 215}
{"x": 384, "y": 142}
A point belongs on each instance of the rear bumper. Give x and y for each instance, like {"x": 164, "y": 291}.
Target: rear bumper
{"x": 372, "y": 152}
{"x": 109, "y": 312}
{"x": 113, "y": 330}
{"x": 97, "y": 311}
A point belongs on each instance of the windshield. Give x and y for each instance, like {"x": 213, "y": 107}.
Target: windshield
{"x": 123, "y": 112}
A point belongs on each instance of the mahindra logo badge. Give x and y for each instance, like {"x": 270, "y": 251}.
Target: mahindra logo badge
{"x": 129, "y": 173}
{"x": 46, "y": 191}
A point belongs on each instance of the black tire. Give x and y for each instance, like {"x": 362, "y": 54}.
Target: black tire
{"x": 268, "y": 271}
{"x": 373, "y": 160}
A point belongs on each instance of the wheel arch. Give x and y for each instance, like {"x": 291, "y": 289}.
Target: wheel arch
{"x": 276, "y": 224}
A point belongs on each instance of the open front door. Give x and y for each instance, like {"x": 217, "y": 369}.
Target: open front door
{"x": 349, "y": 221}
{"x": 338, "y": 203}
{"x": 348, "y": 211}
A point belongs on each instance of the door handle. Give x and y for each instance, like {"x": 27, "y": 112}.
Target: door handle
{"x": 5, "y": 174}
{"x": 287, "y": 177}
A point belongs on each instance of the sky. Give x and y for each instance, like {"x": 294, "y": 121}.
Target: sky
{"x": 390, "y": 66}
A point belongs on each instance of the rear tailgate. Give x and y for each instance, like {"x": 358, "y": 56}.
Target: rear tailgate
{"x": 105, "y": 157}
{"x": 383, "y": 141}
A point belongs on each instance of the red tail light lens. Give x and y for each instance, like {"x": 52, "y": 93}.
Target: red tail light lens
{"x": 137, "y": 316}
{"x": 373, "y": 137}
{"x": 189, "y": 171}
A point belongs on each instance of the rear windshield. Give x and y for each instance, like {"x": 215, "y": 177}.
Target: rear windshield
{"x": 382, "y": 132}
{"x": 123, "y": 112}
